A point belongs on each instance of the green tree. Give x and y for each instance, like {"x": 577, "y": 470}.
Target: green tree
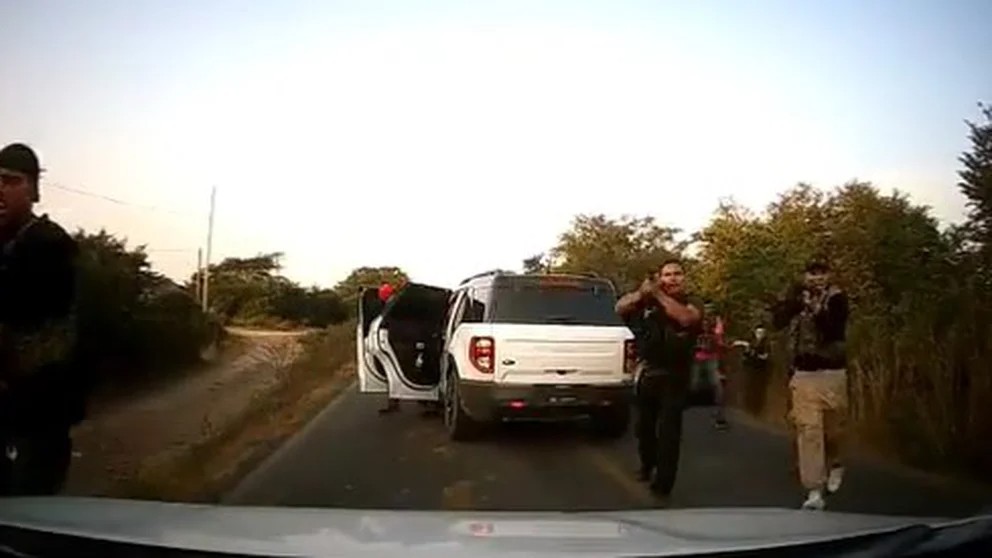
{"x": 538, "y": 263}
{"x": 243, "y": 287}
{"x": 130, "y": 319}
{"x": 976, "y": 182}
{"x": 623, "y": 250}
{"x": 360, "y": 277}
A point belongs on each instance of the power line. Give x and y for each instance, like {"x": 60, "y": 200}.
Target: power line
{"x": 171, "y": 250}
{"x": 91, "y": 194}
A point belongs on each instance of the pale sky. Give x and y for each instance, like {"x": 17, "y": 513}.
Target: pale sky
{"x": 453, "y": 137}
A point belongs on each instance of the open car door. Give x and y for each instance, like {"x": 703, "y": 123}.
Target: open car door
{"x": 371, "y": 374}
{"x": 407, "y": 339}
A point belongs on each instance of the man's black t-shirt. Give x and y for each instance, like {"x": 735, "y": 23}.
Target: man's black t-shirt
{"x": 663, "y": 343}
{"x": 37, "y": 329}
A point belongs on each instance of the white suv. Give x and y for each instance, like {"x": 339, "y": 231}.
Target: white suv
{"x": 502, "y": 346}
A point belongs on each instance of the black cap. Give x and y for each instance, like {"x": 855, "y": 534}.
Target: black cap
{"x": 20, "y": 158}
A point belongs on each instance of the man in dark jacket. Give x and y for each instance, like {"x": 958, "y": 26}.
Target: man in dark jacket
{"x": 40, "y": 396}
{"x": 817, "y": 311}
{"x": 665, "y": 322}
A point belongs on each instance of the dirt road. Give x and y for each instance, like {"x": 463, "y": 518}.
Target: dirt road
{"x": 116, "y": 444}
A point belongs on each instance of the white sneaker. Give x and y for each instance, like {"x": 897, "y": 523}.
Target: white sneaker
{"x": 814, "y": 501}
{"x": 834, "y": 479}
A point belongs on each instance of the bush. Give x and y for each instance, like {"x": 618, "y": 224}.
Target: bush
{"x": 131, "y": 321}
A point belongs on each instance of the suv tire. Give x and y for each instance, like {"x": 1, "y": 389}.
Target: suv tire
{"x": 459, "y": 425}
{"x": 611, "y": 423}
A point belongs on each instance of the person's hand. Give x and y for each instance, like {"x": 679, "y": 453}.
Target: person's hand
{"x": 796, "y": 291}
{"x": 647, "y": 288}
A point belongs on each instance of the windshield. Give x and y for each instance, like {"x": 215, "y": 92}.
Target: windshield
{"x": 554, "y": 300}
{"x": 495, "y": 256}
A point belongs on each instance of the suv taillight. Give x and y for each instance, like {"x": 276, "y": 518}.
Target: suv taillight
{"x": 629, "y": 356}
{"x": 481, "y": 353}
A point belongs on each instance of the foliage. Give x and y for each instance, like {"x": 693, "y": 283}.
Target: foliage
{"x": 251, "y": 291}
{"x": 623, "y": 250}
{"x": 130, "y": 319}
{"x": 360, "y": 277}
{"x": 976, "y": 184}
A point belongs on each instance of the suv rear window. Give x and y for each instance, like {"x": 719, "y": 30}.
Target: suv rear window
{"x": 554, "y": 300}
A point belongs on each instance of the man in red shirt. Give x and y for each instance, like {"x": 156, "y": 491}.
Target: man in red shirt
{"x": 386, "y": 292}
{"x": 708, "y": 355}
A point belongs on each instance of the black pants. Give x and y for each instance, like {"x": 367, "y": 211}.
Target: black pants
{"x": 661, "y": 399}
{"x": 34, "y": 464}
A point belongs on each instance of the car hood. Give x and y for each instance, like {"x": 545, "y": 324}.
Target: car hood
{"x": 333, "y": 532}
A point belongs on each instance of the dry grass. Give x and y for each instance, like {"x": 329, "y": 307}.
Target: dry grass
{"x": 306, "y": 381}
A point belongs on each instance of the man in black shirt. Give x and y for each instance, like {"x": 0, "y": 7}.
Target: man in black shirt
{"x": 665, "y": 322}
{"x": 40, "y": 396}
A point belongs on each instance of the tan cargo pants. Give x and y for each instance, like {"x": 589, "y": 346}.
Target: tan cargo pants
{"x": 819, "y": 416}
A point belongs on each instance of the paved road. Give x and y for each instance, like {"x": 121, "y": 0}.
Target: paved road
{"x": 351, "y": 457}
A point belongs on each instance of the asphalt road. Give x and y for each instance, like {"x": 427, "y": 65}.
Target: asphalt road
{"x": 351, "y": 457}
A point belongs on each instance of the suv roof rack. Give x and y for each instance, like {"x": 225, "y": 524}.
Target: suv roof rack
{"x": 492, "y": 272}
{"x": 591, "y": 274}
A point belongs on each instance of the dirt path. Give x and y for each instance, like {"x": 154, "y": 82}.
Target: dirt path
{"x": 111, "y": 447}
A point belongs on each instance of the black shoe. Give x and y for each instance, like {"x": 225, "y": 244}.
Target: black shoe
{"x": 721, "y": 424}
{"x": 390, "y": 407}
{"x": 645, "y": 474}
{"x": 660, "y": 492}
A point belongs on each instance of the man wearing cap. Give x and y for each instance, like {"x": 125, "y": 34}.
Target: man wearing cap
{"x": 40, "y": 397}
{"x": 817, "y": 312}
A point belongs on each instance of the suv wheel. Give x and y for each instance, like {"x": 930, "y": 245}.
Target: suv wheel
{"x": 611, "y": 423}
{"x": 459, "y": 425}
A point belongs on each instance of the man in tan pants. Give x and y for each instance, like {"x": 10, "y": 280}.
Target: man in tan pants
{"x": 817, "y": 312}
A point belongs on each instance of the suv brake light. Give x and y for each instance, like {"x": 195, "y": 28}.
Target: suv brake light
{"x": 482, "y": 353}
{"x": 629, "y": 357}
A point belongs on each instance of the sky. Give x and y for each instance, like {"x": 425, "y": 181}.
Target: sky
{"x": 449, "y": 138}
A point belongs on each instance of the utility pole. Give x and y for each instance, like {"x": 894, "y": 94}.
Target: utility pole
{"x": 210, "y": 241}
{"x": 199, "y": 275}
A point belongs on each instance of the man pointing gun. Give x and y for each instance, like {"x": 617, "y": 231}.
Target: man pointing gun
{"x": 665, "y": 322}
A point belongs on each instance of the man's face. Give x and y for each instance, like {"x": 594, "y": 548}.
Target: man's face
{"x": 817, "y": 280}
{"x": 759, "y": 333}
{"x": 15, "y": 196}
{"x": 671, "y": 278}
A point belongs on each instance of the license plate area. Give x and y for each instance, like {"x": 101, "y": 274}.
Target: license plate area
{"x": 563, "y": 396}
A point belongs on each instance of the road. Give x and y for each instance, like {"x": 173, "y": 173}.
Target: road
{"x": 351, "y": 457}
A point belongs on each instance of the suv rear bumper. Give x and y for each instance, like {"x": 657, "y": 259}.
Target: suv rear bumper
{"x": 486, "y": 401}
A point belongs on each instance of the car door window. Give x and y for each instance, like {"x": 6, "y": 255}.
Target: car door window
{"x": 475, "y": 305}
{"x": 456, "y": 314}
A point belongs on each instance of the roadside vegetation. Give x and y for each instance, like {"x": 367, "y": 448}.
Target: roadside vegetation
{"x": 920, "y": 336}
{"x": 139, "y": 328}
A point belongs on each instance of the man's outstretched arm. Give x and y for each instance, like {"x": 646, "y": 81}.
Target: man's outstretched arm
{"x": 629, "y": 302}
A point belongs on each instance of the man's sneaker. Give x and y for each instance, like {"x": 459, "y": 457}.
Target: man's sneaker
{"x": 660, "y": 493}
{"x": 834, "y": 479}
{"x": 721, "y": 424}
{"x": 814, "y": 501}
